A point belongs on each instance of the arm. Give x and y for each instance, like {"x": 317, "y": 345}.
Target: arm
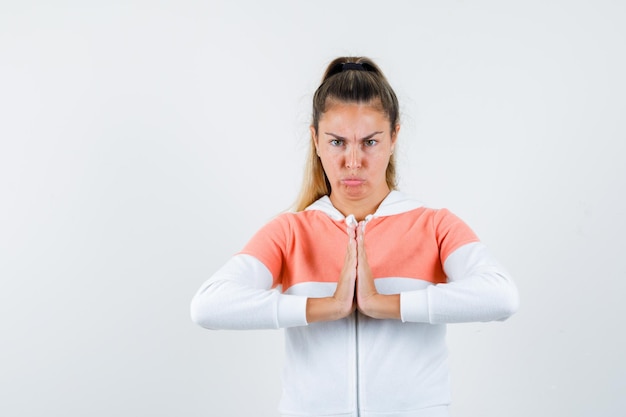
{"x": 478, "y": 289}
{"x": 239, "y": 296}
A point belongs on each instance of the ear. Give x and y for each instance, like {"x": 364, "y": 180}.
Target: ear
{"x": 394, "y": 136}
{"x": 315, "y": 139}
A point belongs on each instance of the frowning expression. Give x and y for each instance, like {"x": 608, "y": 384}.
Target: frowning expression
{"x": 354, "y": 142}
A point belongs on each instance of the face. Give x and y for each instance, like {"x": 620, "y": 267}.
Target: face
{"x": 354, "y": 142}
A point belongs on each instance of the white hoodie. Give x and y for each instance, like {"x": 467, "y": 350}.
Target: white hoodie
{"x": 360, "y": 366}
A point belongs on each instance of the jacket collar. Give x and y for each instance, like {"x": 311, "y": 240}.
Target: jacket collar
{"x": 396, "y": 202}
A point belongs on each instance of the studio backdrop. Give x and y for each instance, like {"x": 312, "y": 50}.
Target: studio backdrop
{"x": 142, "y": 143}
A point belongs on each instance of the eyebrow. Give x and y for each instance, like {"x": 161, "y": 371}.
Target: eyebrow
{"x": 371, "y": 135}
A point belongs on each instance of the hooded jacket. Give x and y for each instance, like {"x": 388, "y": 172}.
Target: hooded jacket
{"x": 359, "y": 366}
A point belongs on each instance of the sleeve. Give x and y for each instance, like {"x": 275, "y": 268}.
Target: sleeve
{"x": 477, "y": 288}
{"x": 242, "y": 294}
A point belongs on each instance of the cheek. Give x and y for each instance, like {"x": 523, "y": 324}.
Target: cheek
{"x": 379, "y": 159}
{"x": 380, "y": 165}
{"x": 328, "y": 164}
{"x": 331, "y": 159}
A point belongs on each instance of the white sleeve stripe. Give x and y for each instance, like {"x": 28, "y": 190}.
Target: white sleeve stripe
{"x": 239, "y": 296}
{"x": 478, "y": 289}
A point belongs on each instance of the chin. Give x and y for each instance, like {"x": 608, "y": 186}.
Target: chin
{"x": 355, "y": 192}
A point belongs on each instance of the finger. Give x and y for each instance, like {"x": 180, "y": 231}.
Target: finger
{"x": 351, "y": 224}
{"x": 352, "y": 252}
{"x": 350, "y": 260}
{"x": 351, "y": 230}
{"x": 360, "y": 238}
{"x": 364, "y": 274}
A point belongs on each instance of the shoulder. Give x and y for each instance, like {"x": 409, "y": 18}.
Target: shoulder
{"x": 400, "y": 205}
{"x": 448, "y": 228}
{"x": 288, "y": 222}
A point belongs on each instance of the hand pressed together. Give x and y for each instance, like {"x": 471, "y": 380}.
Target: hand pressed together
{"x": 355, "y": 287}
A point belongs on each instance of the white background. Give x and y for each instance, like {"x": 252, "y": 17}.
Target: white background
{"x": 142, "y": 143}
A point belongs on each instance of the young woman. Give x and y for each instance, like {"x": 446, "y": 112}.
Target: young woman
{"x": 362, "y": 277}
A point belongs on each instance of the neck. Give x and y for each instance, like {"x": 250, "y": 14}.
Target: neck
{"x": 359, "y": 208}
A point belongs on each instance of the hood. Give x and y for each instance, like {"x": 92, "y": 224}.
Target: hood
{"x": 396, "y": 202}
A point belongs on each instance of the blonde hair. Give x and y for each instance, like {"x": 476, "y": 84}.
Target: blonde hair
{"x": 360, "y": 81}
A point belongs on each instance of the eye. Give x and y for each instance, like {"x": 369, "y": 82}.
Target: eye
{"x": 336, "y": 142}
{"x": 370, "y": 142}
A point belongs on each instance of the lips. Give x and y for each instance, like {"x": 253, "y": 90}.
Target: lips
{"x": 352, "y": 181}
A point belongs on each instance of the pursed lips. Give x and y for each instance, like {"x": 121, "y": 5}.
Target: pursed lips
{"x": 352, "y": 181}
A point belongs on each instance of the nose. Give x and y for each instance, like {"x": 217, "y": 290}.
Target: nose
{"x": 353, "y": 157}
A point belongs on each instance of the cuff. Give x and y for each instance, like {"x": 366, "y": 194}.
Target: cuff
{"x": 414, "y": 306}
{"x": 291, "y": 310}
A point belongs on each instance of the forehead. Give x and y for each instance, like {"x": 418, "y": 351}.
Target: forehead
{"x": 354, "y": 115}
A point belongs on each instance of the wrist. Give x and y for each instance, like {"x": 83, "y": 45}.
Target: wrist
{"x": 326, "y": 309}
{"x": 381, "y": 306}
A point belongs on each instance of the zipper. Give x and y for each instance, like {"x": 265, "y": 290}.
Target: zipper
{"x": 357, "y": 361}
{"x": 351, "y": 221}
